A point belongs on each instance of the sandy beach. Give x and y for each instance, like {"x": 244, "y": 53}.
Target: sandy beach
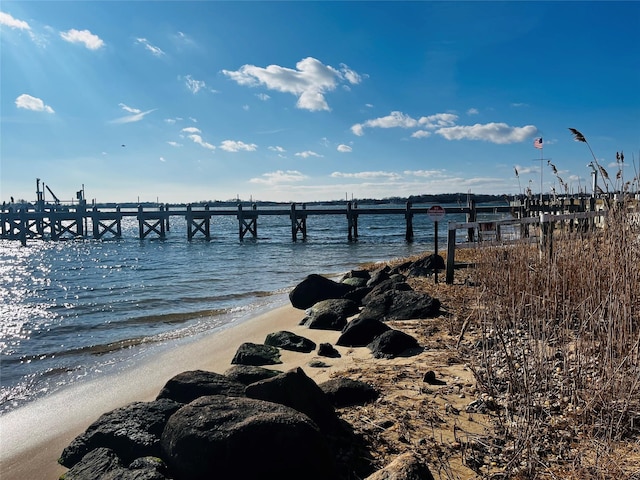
{"x": 34, "y": 436}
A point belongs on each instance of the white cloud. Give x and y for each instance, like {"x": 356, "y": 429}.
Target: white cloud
{"x": 277, "y": 149}
{"x": 32, "y": 103}
{"x": 236, "y": 146}
{"x": 174, "y": 144}
{"x": 367, "y": 175}
{"x": 519, "y": 105}
{"x": 473, "y": 111}
{"x": 309, "y": 81}
{"x": 344, "y": 148}
{"x": 194, "y": 85}
{"x": 438, "y": 120}
{"x": 198, "y": 139}
{"x": 308, "y": 154}
{"x": 136, "y": 114}
{"x": 129, "y": 109}
{"x": 156, "y": 51}
{"x": 162, "y": 159}
{"x": 191, "y": 130}
{"x": 421, "y": 134}
{"x": 279, "y": 177}
{"x": 499, "y": 133}
{"x": 263, "y": 96}
{"x": 393, "y": 120}
{"x": 424, "y": 173}
{"x": 85, "y": 37}
{"x": 9, "y": 21}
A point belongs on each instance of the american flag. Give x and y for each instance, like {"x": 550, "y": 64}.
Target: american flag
{"x": 537, "y": 142}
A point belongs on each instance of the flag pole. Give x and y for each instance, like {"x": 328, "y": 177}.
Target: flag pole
{"x": 539, "y": 144}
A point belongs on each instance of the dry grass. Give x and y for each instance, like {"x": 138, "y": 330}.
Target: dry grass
{"x": 548, "y": 345}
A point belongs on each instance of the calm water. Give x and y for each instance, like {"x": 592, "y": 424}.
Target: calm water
{"x": 70, "y": 310}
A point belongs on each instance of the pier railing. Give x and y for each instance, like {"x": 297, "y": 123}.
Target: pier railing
{"x": 520, "y": 229}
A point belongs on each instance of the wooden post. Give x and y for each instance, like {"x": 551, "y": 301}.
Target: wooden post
{"x": 140, "y": 222}
{"x": 189, "y": 223}
{"x": 409, "y": 219}
{"x": 166, "y": 208}
{"x": 95, "y": 222}
{"x": 451, "y": 252}
{"x": 546, "y": 234}
{"x": 352, "y": 221}
{"x": 207, "y": 223}
{"x": 303, "y": 221}
{"x": 23, "y": 227}
{"x": 472, "y": 216}
{"x": 435, "y": 248}
{"x": 294, "y": 223}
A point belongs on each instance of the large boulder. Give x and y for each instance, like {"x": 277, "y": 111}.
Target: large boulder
{"x": 385, "y": 286}
{"x": 187, "y": 386}
{"x": 359, "y": 332}
{"x": 256, "y": 354}
{"x": 400, "y": 305}
{"x": 296, "y": 390}
{"x": 103, "y": 464}
{"x": 290, "y": 341}
{"x": 345, "y": 392}
{"x": 244, "y": 439}
{"x": 378, "y": 276}
{"x": 247, "y": 374}
{"x": 330, "y": 314}
{"x": 131, "y": 432}
{"x": 426, "y": 266}
{"x": 314, "y": 289}
{"x": 392, "y": 343}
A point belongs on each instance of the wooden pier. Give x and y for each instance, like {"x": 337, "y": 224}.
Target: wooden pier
{"x": 56, "y": 222}
{"x": 60, "y": 222}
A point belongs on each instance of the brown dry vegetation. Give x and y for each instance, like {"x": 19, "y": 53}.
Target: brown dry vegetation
{"x": 541, "y": 358}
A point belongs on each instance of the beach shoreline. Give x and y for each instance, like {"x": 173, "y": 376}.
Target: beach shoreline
{"x": 33, "y": 436}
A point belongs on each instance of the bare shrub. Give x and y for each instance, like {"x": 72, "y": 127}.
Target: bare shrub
{"x": 561, "y": 344}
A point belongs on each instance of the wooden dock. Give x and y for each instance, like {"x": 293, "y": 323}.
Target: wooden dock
{"x": 56, "y": 222}
{"x": 60, "y": 222}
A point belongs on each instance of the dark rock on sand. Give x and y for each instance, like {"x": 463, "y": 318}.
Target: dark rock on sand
{"x": 131, "y": 432}
{"x": 296, "y": 390}
{"x": 426, "y": 266}
{"x": 247, "y": 374}
{"x": 359, "y": 332}
{"x": 187, "y": 386}
{"x": 330, "y": 314}
{"x": 430, "y": 378}
{"x": 328, "y": 350}
{"x": 355, "y": 282}
{"x": 400, "y": 305}
{"x": 345, "y": 392}
{"x": 256, "y": 354}
{"x": 385, "y": 286}
{"x": 314, "y": 289}
{"x": 379, "y": 276}
{"x": 102, "y": 463}
{"x": 358, "y": 294}
{"x": 405, "y": 467}
{"x": 290, "y": 341}
{"x": 245, "y": 439}
{"x": 392, "y": 343}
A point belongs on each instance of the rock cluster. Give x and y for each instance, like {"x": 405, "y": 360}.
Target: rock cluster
{"x": 254, "y": 422}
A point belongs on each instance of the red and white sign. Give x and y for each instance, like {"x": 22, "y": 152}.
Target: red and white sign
{"x": 436, "y": 213}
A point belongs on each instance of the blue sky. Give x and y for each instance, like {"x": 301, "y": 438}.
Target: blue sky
{"x": 302, "y": 101}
